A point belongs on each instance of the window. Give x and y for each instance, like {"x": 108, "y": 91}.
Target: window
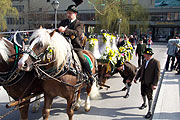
{"x": 48, "y": 0}
{"x": 176, "y": 17}
{"x": 40, "y": 9}
{"x": 12, "y": 21}
{"x": 20, "y": 8}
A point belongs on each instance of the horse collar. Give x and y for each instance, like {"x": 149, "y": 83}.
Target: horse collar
{"x": 14, "y": 75}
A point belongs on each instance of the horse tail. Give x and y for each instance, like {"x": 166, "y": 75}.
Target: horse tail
{"x": 95, "y": 94}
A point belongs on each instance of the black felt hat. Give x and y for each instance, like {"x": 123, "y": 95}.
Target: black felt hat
{"x": 72, "y": 8}
{"x": 148, "y": 51}
{"x": 119, "y": 63}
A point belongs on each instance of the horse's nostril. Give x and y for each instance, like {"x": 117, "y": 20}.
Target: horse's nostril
{"x": 25, "y": 65}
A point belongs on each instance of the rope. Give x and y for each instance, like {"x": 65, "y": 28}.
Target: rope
{"x": 37, "y": 67}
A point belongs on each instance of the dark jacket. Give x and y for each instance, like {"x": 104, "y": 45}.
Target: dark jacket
{"x": 151, "y": 74}
{"x": 129, "y": 71}
{"x": 74, "y": 31}
{"x": 140, "y": 49}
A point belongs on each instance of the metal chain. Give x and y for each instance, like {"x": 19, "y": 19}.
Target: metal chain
{"x": 16, "y": 108}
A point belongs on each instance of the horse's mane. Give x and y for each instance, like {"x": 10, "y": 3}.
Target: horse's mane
{"x": 42, "y": 34}
{"x": 61, "y": 46}
{"x": 4, "y": 51}
{"x": 57, "y": 41}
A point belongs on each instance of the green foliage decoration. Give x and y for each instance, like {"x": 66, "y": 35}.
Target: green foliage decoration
{"x": 6, "y": 9}
{"x": 108, "y": 13}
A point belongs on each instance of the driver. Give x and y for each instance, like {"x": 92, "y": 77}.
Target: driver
{"x": 73, "y": 29}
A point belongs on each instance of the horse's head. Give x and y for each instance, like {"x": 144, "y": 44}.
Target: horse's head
{"x": 5, "y": 49}
{"x": 6, "y": 52}
{"x": 39, "y": 44}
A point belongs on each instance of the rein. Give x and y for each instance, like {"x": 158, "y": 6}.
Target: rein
{"x": 38, "y": 70}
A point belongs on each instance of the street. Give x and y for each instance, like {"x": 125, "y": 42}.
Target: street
{"x": 111, "y": 106}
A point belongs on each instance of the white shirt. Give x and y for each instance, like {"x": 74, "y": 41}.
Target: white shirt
{"x": 73, "y": 20}
{"x": 147, "y": 62}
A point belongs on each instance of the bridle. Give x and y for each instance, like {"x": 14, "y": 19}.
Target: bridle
{"x": 43, "y": 74}
{"x": 11, "y": 77}
{"x": 31, "y": 52}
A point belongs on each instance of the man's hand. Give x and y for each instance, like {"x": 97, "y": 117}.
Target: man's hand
{"x": 128, "y": 81}
{"x": 154, "y": 87}
{"x": 61, "y": 29}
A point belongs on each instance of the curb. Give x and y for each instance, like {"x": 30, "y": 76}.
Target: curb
{"x": 157, "y": 93}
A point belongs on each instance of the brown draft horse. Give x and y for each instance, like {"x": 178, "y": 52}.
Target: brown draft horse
{"x": 51, "y": 55}
{"x": 24, "y": 84}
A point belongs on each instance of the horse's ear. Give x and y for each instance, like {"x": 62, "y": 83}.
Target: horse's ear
{"x": 40, "y": 27}
{"x": 52, "y": 33}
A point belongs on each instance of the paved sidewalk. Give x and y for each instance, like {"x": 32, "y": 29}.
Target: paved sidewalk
{"x": 168, "y": 102}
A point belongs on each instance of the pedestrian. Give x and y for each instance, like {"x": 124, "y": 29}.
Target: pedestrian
{"x": 119, "y": 42}
{"x": 177, "y": 64}
{"x": 149, "y": 74}
{"x": 72, "y": 28}
{"x": 149, "y": 42}
{"x": 145, "y": 40}
{"x": 127, "y": 71}
{"x": 136, "y": 39}
{"x": 132, "y": 41}
{"x": 171, "y": 52}
{"x": 140, "y": 51}
{"x": 123, "y": 41}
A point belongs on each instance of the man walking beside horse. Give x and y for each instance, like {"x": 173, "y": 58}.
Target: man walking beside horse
{"x": 149, "y": 74}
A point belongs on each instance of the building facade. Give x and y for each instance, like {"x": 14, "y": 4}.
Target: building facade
{"x": 164, "y": 21}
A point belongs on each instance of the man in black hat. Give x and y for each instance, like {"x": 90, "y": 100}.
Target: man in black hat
{"x": 127, "y": 72}
{"x": 140, "y": 51}
{"x": 149, "y": 74}
{"x": 72, "y": 28}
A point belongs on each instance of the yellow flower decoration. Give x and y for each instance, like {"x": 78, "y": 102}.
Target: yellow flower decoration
{"x": 92, "y": 42}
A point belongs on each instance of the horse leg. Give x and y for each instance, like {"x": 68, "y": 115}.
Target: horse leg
{"x": 24, "y": 111}
{"x": 101, "y": 75}
{"x": 93, "y": 92}
{"x": 70, "y": 110}
{"x": 47, "y": 106}
{"x": 87, "y": 102}
{"x": 36, "y": 104}
{"x": 78, "y": 101}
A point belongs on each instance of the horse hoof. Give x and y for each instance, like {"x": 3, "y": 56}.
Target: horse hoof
{"x": 76, "y": 108}
{"x": 87, "y": 110}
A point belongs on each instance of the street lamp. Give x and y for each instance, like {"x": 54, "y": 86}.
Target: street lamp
{"x": 55, "y": 5}
{"x": 119, "y": 21}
